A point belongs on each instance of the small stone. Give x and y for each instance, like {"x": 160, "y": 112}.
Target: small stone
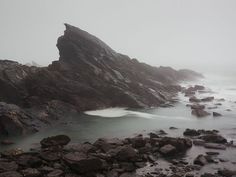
{"x": 55, "y": 173}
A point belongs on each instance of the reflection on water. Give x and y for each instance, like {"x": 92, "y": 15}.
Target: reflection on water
{"x": 121, "y": 122}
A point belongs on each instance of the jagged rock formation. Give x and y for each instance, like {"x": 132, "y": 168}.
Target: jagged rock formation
{"x": 88, "y": 75}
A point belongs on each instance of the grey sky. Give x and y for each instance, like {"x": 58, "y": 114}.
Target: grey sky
{"x": 196, "y": 34}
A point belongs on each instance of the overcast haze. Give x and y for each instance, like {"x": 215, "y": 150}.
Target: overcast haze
{"x": 196, "y": 34}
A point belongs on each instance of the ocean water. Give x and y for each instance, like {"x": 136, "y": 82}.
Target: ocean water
{"x": 123, "y": 122}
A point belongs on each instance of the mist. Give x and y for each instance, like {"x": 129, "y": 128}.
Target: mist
{"x": 198, "y": 35}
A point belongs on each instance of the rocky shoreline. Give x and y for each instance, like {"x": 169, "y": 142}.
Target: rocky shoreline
{"x": 129, "y": 157}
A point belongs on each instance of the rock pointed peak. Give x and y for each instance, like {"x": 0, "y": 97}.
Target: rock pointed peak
{"x": 77, "y": 43}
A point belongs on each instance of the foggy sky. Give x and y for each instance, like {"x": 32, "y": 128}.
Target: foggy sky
{"x": 196, "y": 34}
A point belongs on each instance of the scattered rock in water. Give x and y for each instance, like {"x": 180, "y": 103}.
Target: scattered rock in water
{"x": 200, "y": 113}
{"x": 212, "y": 153}
{"x": 191, "y": 132}
{"x": 194, "y": 99}
{"x": 59, "y": 140}
{"x": 212, "y": 107}
{"x": 198, "y": 142}
{"x": 214, "y": 138}
{"x": 199, "y": 87}
{"x": 208, "y": 99}
{"x": 214, "y": 146}
{"x": 200, "y": 160}
{"x": 228, "y": 110}
{"x": 216, "y": 114}
{"x": 218, "y": 104}
{"x": 197, "y": 106}
{"x": 173, "y": 128}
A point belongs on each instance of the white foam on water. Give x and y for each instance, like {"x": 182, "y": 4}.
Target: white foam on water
{"x": 121, "y": 112}
{"x": 118, "y": 112}
{"x": 109, "y": 112}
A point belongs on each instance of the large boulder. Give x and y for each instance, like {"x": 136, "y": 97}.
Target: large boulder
{"x": 59, "y": 140}
{"x": 82, "y": 163}
{"x": 167, "y": 150}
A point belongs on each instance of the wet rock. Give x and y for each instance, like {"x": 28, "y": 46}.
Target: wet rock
{"x": 84, "y": 148}
{"x": 215, "y": 146}
{"x": 191, "y": 132}
{"x": 212, "y": 107}
{"x": 81, "y": 163}
{"x": 10, "y": 174}
{"x": 106, "y": 144}
{"x": 181, "y": 144}
{"x": 50, "y": 156}
{"x": 194, "y": 99}
{"x": 200, "y": 113}
{"x": 198, "y": 142}
{"x": 207, "y": 99}
{"x": 12, "y": 152}
{"x": 212, "y": 153}
{"x": 216, "y": 114}
{"x": 199, "y": 87}
{"x": 227, "y": 172}
{"x": 14, "y": 120}
{"x": 173, "y": 128}
{"x": 29, "y": 160}
{"x": 129, "y": 175}
{"x": 218, "y": 104}
{"x": 59, "y": 140}
{"x": 8, "y": 166}
{"x": 153, "y": 135}
{"x": 138, "y": 142}
{"x": 126, "y": 153}
{"x": 167, "y": 150}
{"x": 214, "y": 138}
{"x": 31, "y": 172}
{"x": 200, "y": 160}
{"x": 55, "y": 173}
{"x": 127, "y": 166}
{"x": 7, "y": 142}
{"x": 197, "y": 106}
{"x": 208, "y": 175}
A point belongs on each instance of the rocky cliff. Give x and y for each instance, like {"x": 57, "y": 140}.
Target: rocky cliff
{"x": 88, "y": 75}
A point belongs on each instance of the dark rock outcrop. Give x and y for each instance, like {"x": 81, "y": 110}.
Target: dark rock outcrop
{"x": 88, "y": 75}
